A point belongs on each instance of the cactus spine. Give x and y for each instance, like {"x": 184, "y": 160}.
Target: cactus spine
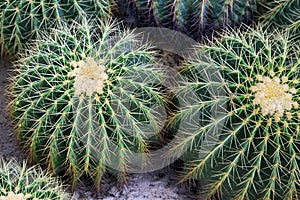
{"x": 282, "y": 14}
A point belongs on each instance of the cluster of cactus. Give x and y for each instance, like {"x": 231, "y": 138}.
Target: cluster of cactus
{"x": 17, "y": 182}
{"x": 87, "y": 97}
{"x": 192, "y": 17}
{"x": 282, "y": 14}
{"x": 242, "y": 119}
{"x": 21, "y": 21}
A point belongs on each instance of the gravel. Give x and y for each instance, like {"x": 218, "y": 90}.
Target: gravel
{"x": 154, "y": 185}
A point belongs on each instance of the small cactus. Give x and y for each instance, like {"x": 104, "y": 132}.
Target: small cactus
{"x": 193, "y": 17}
{"x": 85, "y": 98}
{"x": 239, "y": 120}
{"x": 17, "y": 182}
{"x": 24, "y": 20}
{"x": 282, "y": 14}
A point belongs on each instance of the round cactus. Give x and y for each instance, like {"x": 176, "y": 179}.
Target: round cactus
{"x": 17, "y": 182}
{"x": 193, "y": 17}
{"x": 86, "y": 98}
{"x": 282, "y": 14}
{"x": 23, "y": 20}
{"x": 239, "y": 120}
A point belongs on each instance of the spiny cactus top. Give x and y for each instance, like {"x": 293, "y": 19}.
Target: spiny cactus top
{"x": 17, "y": 182}
{"x": 86, "y": 98}
{"x": 283, "y": 14}
{"x": 193, "y": 17}
{"x": 21, "y": 20}
{"x": 242, "y": 116}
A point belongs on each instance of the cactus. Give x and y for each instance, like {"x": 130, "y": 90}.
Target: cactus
{"x": 282, "y": 14}
{"x": 23, "y": 20}
{"x": 239, "y": 120}
{"x": 193, "y": 17}
{"x": 18, "y": 182}
{"x": 86, "y": 98}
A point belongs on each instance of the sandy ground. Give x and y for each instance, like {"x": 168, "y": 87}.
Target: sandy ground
{"x": 9, "y": 149}
{"x": 154, "y": 185}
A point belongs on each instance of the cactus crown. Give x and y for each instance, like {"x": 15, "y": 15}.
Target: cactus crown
{"x": 17, "y": 182}
{"x": 85, "y": 99}
{"x": 89, "y": 77}
{"x": 273, "y": 102}
{"x": 244, "y": 116}
{"x": 24, "y": 20}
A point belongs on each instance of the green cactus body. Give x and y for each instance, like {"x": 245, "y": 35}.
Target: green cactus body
{"x": 283, "y": 14}
{"x": 245, "y": 141}
{"x": 160, "y": 13}
{"x": 145, "y": 11}
{"x": 17, "y": 182}
{"x": 189, "y": 17}
{"x": 163, "y": 12}
{"x": 193, "y": 17}
{"x": 85, "y": 99}
{"x": 22, "y": 20}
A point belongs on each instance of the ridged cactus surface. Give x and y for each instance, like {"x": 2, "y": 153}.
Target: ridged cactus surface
{"x": 86, "y": 98}
{"x": 21, "y": 20}
{"x": 17, "y": 182}
{"x": 284, "y": 14}
{"x": 239, "y": 119}
{"x": 193, "y": 17}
